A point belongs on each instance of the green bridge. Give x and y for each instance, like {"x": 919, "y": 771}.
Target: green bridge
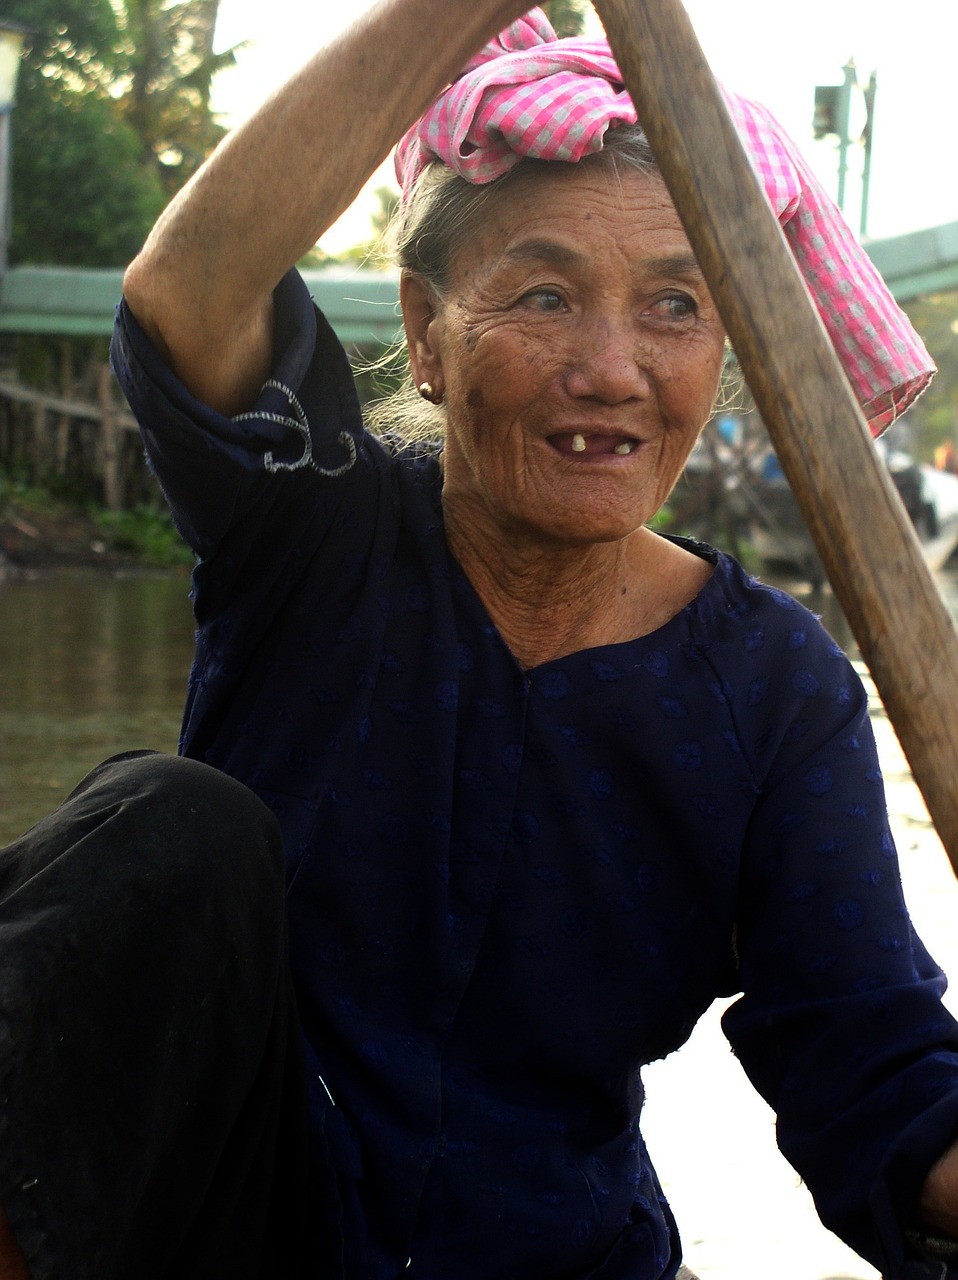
{"x": 362, "y": 305}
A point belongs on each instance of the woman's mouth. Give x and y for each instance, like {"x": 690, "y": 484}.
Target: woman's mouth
{"x": 576, "y": 444}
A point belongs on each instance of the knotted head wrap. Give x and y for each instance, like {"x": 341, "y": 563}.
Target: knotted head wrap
{"x": 528, "y": 94}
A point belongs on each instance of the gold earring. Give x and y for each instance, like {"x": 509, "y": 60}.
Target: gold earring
{"x": 428, "y": 392}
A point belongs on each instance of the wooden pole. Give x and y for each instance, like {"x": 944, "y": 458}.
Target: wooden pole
{"x": 67, "y": 392}
{"x": 109, "y": 442}
{"x": 853, "y": 512}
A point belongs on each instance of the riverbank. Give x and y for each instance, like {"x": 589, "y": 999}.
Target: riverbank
{"x": 41, "y": 533}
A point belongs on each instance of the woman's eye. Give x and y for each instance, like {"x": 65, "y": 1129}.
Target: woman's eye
{"x": 677, "y": 306}
{"x": 543, "y": 300}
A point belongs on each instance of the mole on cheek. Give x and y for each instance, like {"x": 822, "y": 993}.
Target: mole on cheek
{"x": 475, "y": 399}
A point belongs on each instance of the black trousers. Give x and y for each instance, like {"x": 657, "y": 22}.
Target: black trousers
{"x": 152, "y": 1105}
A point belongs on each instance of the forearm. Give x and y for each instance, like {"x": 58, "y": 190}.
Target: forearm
{"x": 938, "y": 1202}
{"x": 202, "y": 284}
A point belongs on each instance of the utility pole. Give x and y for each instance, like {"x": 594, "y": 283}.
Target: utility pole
{"x": 867, "y": 140}
{"x": 833, "y": 104}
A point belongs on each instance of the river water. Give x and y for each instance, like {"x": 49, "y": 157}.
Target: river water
{"x": 89, "y": 665}
{"x": 92, "y": 665}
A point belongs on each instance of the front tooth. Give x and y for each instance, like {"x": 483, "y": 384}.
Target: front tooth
{"x": 625, "y": 447}
{"x": 578, "y": 443}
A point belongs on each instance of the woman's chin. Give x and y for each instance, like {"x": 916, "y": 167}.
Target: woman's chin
{"x": 571, "y": 528}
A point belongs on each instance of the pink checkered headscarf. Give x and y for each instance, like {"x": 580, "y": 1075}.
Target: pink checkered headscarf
{"x": 528, "y": 93}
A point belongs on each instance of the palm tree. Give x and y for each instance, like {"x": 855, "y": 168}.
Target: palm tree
{"x": 169, "y": 68}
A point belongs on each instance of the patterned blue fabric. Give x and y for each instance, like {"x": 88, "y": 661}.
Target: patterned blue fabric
{"x": 508, "y": 889}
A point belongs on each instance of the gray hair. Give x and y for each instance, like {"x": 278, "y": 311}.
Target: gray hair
{"x": 439, "y": 217}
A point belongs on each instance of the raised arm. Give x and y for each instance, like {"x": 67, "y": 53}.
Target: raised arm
{"x": 202, "y": 284}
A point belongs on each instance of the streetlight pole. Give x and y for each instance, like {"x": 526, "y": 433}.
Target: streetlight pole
{"x": 867, "y": 140}
{"x": 12, "y": 37}
{"x": 844, "y": 113}
{"x": 832, "y": 118}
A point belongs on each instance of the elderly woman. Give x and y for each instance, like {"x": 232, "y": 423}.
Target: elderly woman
{"x": 547, "y": 782}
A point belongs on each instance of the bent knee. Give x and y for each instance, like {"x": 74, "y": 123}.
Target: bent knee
{"x": 176, "y": 825}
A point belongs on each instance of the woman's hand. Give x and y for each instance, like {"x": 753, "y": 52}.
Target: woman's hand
{"x": 938, "y": 1202}
{"x": 202, "y": 284}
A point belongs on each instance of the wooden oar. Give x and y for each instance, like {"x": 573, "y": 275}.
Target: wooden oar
{"x": 853, "y": 511}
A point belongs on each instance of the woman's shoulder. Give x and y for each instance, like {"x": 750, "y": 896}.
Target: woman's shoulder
{"x": 766, "y": 667}
{"x": 735, "y": 604}
{"x": 761, "y": 643}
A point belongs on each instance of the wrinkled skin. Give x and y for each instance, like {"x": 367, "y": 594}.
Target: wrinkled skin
{"x": 578, "y": 309}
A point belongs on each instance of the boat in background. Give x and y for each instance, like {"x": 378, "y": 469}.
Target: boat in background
{"x": 937, "y": 517}
{"x": 781, "y": 540}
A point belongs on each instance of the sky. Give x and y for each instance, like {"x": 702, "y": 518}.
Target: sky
{"x": 772, "y": 51}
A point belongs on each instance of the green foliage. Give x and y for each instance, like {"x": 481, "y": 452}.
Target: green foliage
{"x": 72, "y": 41}
{"x": 935, "y": 417}
{"x": 82, "y": 196}
{"x": 169, "y": 70}
{"x": 113, "y": 116}
{"x": 374, "y": 252}
{"x": 146, "y": 533}
{"x": 388, "y": 198}
{"x": 567, "y": 16}
{"x": 317, "y": 258}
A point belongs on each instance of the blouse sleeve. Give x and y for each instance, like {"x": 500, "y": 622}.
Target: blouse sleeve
{"x": 213, "y": 469}
{"x": 841, "y": 1025}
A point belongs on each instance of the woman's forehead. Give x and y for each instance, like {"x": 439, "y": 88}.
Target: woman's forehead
{"x": 567, "y": 213}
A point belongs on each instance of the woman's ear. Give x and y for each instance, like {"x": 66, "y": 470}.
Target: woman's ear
{"x": 419, "y": 312}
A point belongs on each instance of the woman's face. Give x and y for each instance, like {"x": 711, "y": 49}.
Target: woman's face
{"x": 579, "y": 352}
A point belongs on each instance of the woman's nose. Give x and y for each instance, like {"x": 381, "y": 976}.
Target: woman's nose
{"x": 610, "y": 364}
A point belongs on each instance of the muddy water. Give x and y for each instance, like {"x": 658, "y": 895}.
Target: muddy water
{"x": 89, "y": 665}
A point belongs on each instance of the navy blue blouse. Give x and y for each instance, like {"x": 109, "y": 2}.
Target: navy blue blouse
{"x": 509, "y": 889}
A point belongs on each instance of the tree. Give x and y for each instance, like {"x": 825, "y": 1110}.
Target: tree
{"x": 374, "y": 251}
{"x": 567, "y": 16}
{"x": 169, "y": 69}
{"x": 113, "y": 117}
{"x": 73, "y": 41}
{"x": 934, "y": 418}
{"x": 81, "y": 194}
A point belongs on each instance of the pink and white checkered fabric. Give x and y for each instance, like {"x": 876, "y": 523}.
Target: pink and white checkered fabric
{"x": 528, "y": 93}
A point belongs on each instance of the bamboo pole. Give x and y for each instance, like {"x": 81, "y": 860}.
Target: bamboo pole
{"x": 17, "y": 393}
{"x": 853, "y": 512}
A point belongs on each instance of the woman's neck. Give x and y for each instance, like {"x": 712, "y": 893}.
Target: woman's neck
{"x": 550, "y": 601}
